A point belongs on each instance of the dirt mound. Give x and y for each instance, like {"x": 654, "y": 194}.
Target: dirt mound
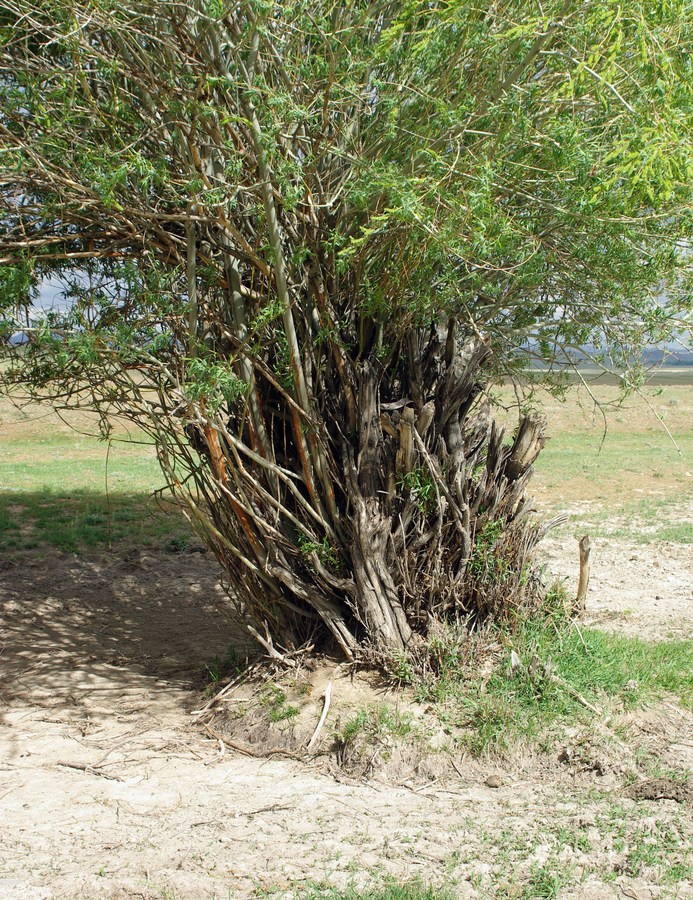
{"x": 661, "y": 789}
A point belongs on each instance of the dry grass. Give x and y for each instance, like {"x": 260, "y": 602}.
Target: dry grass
{"x": 608, "y": 459}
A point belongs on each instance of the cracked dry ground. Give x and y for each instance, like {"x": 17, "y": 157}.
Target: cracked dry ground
{"x": 108, "y": 789}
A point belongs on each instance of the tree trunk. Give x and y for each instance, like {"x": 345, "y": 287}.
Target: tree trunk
{"x": 427, "y": 513}
{"x": 377, "y": 599}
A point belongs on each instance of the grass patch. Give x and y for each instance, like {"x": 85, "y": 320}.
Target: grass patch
{"x": 616, "y": 665}
{"x": 624, "y": 455}
{"x": 642, "y": 521}
{"x": 601, "y": 667}
{"x": 632, "y": 470}
{"x": 389, "y": 891}
{"x": 83, "y": 519}
{"x": 65, "y": 488}
{"x": 658, "y": 846}
{"x": 72, "y": 461}
{"x": 547, "y": 881}
{"x": 647, "y": 847}
{"x": 368, "y": 739}
{"x": 221, "y": 668}
{"x": 375, "y": 722}
{"x": 274, "y": 700}
{"x": 554, "y": 662}
{"x": 630, "y": 843}
{"x": 681, "y": 534}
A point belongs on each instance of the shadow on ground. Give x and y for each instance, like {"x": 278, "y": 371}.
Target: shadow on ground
{"x": 89, "y": 635}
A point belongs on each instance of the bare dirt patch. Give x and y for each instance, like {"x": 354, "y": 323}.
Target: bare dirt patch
{"x": 109, "y": 789}
{"x": 645, "y": 590}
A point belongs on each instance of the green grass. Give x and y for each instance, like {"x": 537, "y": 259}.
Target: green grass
{"x": 273, "y": 699}
{"x": 601, "y": 667}
{"x": 634, "y": 488}
{"x": 633, "y": 471}
{"x": 526, "y": 703}
{"x": 222, "y": 667}
{"x": 569, "y": 455}
{"x": 627, "y": 841}
{"x": 66, "y": 460}
{"x": 83, "y": 519}
{"x": 374, "y": 722}
{"x": 645, "y": 844}
{"x": 65, "y": 489}
{"x": 392, "y": 891}
{"x": 609, "y": 663}
{"x": 546, "y": 881}
{"x": 642, "y": 521}
{"x": 681, "y": 534}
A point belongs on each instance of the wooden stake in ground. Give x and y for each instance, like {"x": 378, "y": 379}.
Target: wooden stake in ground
{"x": 583, "y": 583}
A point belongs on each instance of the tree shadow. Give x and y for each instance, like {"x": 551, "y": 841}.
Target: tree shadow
{"x": 88, "y": 635}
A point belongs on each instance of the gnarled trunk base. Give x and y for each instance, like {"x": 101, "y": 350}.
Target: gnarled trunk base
{"x": 425, "y": 516}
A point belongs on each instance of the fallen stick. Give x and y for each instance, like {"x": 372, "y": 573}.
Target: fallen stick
{"x": 89, "y": 770}
{"x": 318, "y": 727}
{"x": 576, "y": 694}
{"x": 246, "y": 673}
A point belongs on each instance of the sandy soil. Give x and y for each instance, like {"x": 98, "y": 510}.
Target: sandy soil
{"x": 645, "y": 590}
{"x": 108, "y": 788}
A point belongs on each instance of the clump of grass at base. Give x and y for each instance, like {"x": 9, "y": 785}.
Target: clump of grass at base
{"x": 558, "y": 660}
{"x": 600, "y": 664}
{"x": 219, "y": 668}
{"x": 375, "y": 721}
{"x": 546, "y": 881}
{"x": 437, "y": 667}
{"x": 273, "y": 699}
{"x": 367, "y": 740}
